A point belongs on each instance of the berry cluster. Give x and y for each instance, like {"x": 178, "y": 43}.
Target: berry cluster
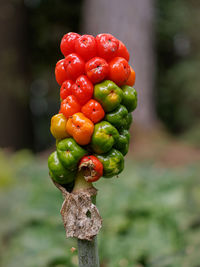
{"x": 97, "y": 99}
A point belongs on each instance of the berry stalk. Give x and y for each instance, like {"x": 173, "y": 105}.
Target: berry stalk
{"x": 87, "y": 250}
{"x": 88, "y": 253}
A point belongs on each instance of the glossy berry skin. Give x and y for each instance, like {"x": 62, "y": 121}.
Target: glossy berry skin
{"x": 70, "y": 153}
{"x": 93, "y": 110}
{"x": 123, "y": 142}
{"x": 65, "y": 89}
{"x": 74, "y": 66}
{"x": 96, "y": 69}
{"x": 119, "y": 70}
{"x": 113, "y": 163}
{"x": 131, "y": 78}
{"x": 129, "y": 97}
{"x": 86, "y": 46}
{"x": 81, "y": 128}
{"x": 82, "y": 89}
{"x": 58, "y": 172}
{"x": 118, "y": 117}
{"x": 104, "y": 137}
{"x": 67, "y": 45}
{"x": 107, "y": 46}
{"x": 122, "y": 51}
{"x": 58, "y": 126}
{"x": 129, "y": 121}
{"x": 108, "y": 94}
{"x": 91, "y": 167}
{"x": 60, "y": 72}
{"x": 69, "y": 106}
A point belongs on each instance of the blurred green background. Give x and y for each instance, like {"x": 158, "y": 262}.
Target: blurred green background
{"x": 151, "y": 214}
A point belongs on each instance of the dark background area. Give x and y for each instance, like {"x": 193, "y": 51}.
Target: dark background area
{"x": 32, "y": 32}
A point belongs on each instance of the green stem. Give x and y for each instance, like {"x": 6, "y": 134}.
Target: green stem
{"x": 81, "y": 183}
{"x": 88, "y": 253}
{"x": 87, "y": 250}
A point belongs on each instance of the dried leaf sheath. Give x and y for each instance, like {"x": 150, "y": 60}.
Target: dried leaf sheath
{"x": 80, "y": 216}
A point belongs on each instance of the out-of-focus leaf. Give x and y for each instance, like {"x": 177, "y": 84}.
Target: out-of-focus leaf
{"x": 150, "y": 217}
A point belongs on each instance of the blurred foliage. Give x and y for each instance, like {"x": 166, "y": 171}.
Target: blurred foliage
{"x": 178, "y": 54}
{"x": 150, "y": 217}
{"x": 192, "y": 136}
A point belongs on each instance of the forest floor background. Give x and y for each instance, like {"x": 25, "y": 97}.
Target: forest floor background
{"x": 151, "y": 213}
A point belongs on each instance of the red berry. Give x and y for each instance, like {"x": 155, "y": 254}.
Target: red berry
{"x": 65, "y": 89}
{"x": 107, "y": 45}
{"x": 68, "y": 42}
{"x": 92, "y": 168}
{"x": 86, "y": 46}
{"x": 123, "y": 51}
{"x": 82, "y": 89}
{"x": 60, "y": 72}
{"x": 131, "y": 79}
{"x": 74, "y": 66}
{"x": 96, "y": 69}
{"x": 69, "y": 106}
{"x": 93, "y": 111}
{"x": 119, "y": 70}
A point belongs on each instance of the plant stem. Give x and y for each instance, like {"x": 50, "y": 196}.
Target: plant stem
{"x": 88, "y": 253}
{"x": 87, "y": 250}
{"x": 80, "y": 183}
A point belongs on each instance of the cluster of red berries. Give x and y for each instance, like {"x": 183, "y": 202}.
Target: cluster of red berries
{"x": 97, "y": 99}
{"x": 89, "y": 60}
